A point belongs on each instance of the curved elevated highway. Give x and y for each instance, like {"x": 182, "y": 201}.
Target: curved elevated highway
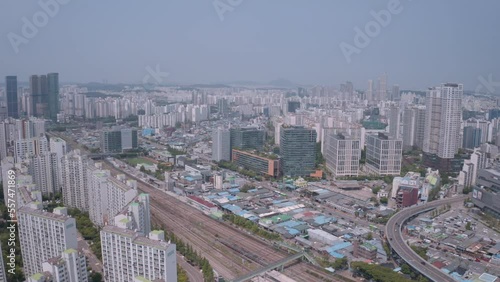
{"x": 393, "y": 233}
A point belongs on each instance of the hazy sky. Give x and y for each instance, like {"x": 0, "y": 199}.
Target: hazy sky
{"x": 425, "y": 43}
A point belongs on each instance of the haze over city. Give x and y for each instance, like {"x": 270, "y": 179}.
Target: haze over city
{"x": 94, "y": 41}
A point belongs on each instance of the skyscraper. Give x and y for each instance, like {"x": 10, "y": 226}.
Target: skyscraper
{"x": 221, "y": 145}
{"x": 395, "y": 122}
{"x": 297, "y": 150}
{"x": 3, "y": 277}
{"x": 43, "y": 168}
{"x": 53, "y": 95}
{"x": 38, "y": 95}
{"x": 442, "y": 125}
{"x": 11, "y": 87}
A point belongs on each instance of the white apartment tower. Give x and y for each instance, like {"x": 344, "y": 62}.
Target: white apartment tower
{"x": 44, "y": 235}
{"x": 107, "y": 195}
{"x": 131, "y": 251}
{"x": 24, "y": 148}
{"x": 70, "y": 266}
{"x": 443, "y": 119}
{"x": 74, "y": 180}
{"x": 58, "y": 146}
{"x": 383, "y": 154}
{"x": 43, "y": 168}
{"x": 221, "y": 147}
{"x": 342, "y": 155}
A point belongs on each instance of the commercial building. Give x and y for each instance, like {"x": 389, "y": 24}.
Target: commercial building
{"x": 74, "y": 184}
{"x": 247, "y": 138}
{"x": 43, "y": 168}
{"x": 297, "y": 150}
{"x": 12, "y": 99}
{"x": 53, "y": 95}
{"x": 442, "y": 126}
{"x": 260, "y": 164}
{"x": 486, "y": 193}
{"x": 472, "y": 137}
{"x": 383, "y": 154}
{"x": 221, "y": 145}
{"x": 342, "y": 155}
{"x": 44, "y": 235}
{"x": 116, "y": 140}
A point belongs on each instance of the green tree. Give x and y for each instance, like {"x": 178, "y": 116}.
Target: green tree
{"x": 369, "y": 236}
{"x": 468, "y": 226}
{"x": 95, "y": 277}
{"x": 376, "y": 189}
{"x": 384, "y": 200}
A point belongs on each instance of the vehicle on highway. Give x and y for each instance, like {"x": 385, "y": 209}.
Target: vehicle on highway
{"x": 423, "y": 262}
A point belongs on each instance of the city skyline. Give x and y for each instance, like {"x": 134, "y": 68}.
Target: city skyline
{"x": 256, "y": 41}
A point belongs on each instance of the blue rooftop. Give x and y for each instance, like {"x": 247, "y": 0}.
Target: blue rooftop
{"x": 290, "y": 223}
{"x": 234, "y": 190}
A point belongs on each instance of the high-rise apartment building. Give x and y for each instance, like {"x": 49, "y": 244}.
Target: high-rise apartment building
{"x": 11, "y": 91}
{"x": 44, "y": 235}
{"x": 43, "y": 168}
{"x": 128, "y": 255}
{"x": 413, "y": 127}
{"x": 442, "y": 125}
{"x": 74, "y": 180}
{"x": 382, "y": 88}
{"x": 25, "y": 148}
{"x": 3, "y": 139}
{"x": 221, "y": 145}
{"x": 132, "y": 252}
{"x": 107, "y": 195}
{"x": 369, "y": 91}
{"x": 342, "y": 155}
{"x": 59, "y": 147}
{"x": 297, "y": 150}
{"x": 70, "y": 266}
{"x": 383, "y": 154}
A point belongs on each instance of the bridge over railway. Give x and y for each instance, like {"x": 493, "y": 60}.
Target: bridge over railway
{"x": 277, "y": 265}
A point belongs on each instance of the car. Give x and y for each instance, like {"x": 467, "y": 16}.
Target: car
{"x": 423, "y": 262}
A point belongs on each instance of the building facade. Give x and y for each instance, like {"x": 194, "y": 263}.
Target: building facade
{"x": 383, "y": 154}
{"x": 342, "y": 155}
{"x": 44, "y": 235}
{"x": 297, "y": 150}
{"x": 74, "y": 184}
{"x": 442, "y": 125}
{"x": 221, "y": 145}
{"x": 262, "y": 165}
{"x": 12, "y": 99}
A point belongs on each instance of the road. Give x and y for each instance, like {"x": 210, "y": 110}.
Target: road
{"x": 397, "y": 242}
{"x": 193, "y": 273}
